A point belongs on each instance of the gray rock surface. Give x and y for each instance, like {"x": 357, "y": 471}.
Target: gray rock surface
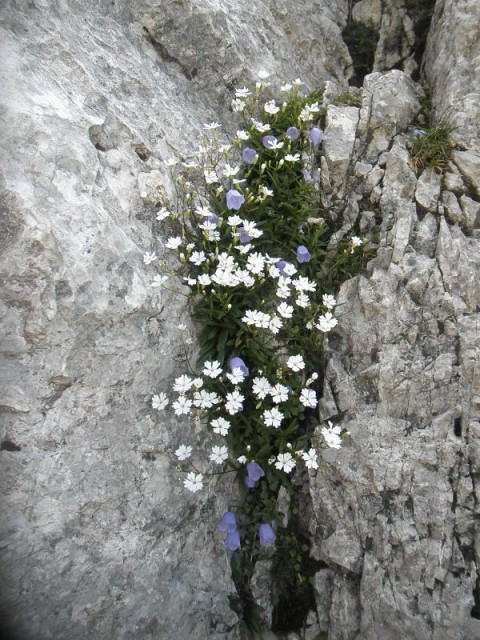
{"x": 98, "y": 537}
{"x": 452, "y": 68}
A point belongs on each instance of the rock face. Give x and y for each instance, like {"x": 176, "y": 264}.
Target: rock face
{"x": 98, "y": 537}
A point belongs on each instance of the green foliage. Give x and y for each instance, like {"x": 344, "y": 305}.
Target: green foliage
{"x": 280, "y": 192}
{"x": 361, "y": 40}
{"x": 433, "y": 148}
{"x": 348, "y": 99}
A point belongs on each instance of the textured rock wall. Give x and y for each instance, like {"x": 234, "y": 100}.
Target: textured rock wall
{"x": 98, "y": 539}
{"x": 396, "y": 512}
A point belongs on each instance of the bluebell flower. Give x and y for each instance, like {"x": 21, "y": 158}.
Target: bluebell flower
{"x": 237, "y": 363}
{"x": 307, "y": 176}
{"x": 232, "y": 541}
{"x": 228, "y": 523}
{"x": 267, "y": 141}
{"x": 316, "y": 136}
{"x": 281, "y": 264}
{"x": 266, "y": 534}
{"x": 254, "y": 473}
{"x": 249, "y": 155}
{"x": 243, "y": 237}
{"x": 234, "y": 199}
{"x": 303, "y": 254}
{"x": 212, "y": 217}
{"x": 292, "y": 133}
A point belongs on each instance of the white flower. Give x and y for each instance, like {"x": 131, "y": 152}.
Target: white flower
{"x": 234, "y": 402}
{"x": 285, "y": 462}
{"x": 193, "y": 482}
{"x": 197, "y": 383}
{"x": 304, "y": 284}
{"x": 303, "y": 301}
{"x": 250, "y": 229}
{"x": 298, "y": 82}
{"x": 286, "y": 87}
{"x": 292, "y": 158}
{"x": 204, "y": 279}
{"x": 326, "y": 322}
{"x": 148, "y": 258}
{"x": 204, "y": 400}
{"x": 285, "y": 310}
{"x": 162, "y": 214}
{"x": 203, "y": 211}
{"x": 271, "y": 107}
{"x": 265, "y": 190}
{"x": 308, "y": 398}
{"x": 328, "y": 301}
{"x": 237, "y": 376}
{"x": 259, "y": 126}
{"x": 219, "y": 455}
{"x": 255, "y": 263}
{"x": 173, "y": 242}
{"x": 229, "y": 171}
{"x": 261, "y": 387}
{"x": 190, "y": 165}
{"x": 242, "y": 134}
{"x": 158, "y": 281}
{"x": 243, "y": 92}
{"x": 220, "y": 426}
{"x": 289, "y": 269}
{"x": 183, "y": 452}
{"x": 276, "y": 144}
{"x": 310, "y": 458}
{"x": 234, "y": 221}
{"x": 210, "y": 177}
{"x": 275, "y": 324}
{"x": 273, "y": 417}
{"x": 312, "y": 378}
{"x": 212, "y": 369}
{"x": 170, "y": 162}
{"x": 332, "y": 436}
{"x": 211, "y": 126}
{"x": 182, "y": 406}
{"x": 296, "y": 363}
{"x": 242, "y": 459}
{"x": 238, "y": 105}
{"x": 263, "y": 75}
{"x": 182, "y": 326}
{"x": 279, "y": 393}
{"x": 183, "y": 384}
{"x": 197, "y": 258}
{"x": 356, "y": 242}
{"x": 159, "y": 401}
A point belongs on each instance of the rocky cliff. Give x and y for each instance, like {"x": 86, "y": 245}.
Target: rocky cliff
{"x": 98, "y": 539}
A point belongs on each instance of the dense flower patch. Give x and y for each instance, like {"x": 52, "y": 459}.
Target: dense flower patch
{"x": 255, "y": 248}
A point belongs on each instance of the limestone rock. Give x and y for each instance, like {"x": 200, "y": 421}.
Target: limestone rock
{"x": 368, "y": 10}
{"x": 452, "y": 70}
{"x": 428, "y": 190}
{"x": 338, "y": 145}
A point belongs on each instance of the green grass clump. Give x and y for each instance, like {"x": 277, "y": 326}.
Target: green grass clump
{"x": 433, "y": 148}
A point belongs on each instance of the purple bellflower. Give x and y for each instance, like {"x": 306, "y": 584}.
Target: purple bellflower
{"x": 249, "y": 155}
{"x": 267, "y": 141}
{"x": 266, "y": 534}
{"x": 238, "y": 363}
{"x": 292, "y": 133}
{"x": 316, "y": 136}
{"x": 243, "y": 237}
{"x": 232, "y": 541}
{"x": 303, "y": 254}
{"x": 281, "y": 264}
{"x": 234, "y": 199}
{"x": 228, "y": 523}
{"x": 254, "y": 473}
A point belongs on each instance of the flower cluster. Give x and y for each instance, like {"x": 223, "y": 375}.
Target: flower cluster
{"x": 251, "y": 241}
